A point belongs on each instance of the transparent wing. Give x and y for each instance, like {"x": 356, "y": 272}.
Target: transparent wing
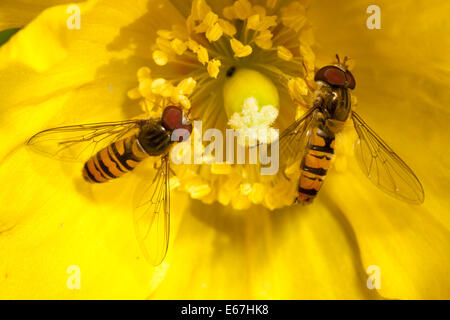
{"x": 152, "y": 215}
{"x": 384, "y": 167}
{"x": 80, "y": 142}
{"x": 294, "y": 138}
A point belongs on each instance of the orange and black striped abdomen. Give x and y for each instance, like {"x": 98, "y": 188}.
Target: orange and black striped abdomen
{"x": 114, "y": 161}
{"x": 315, "y": 163}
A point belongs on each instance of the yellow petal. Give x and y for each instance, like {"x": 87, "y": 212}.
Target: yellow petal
{"x": 403, "y": 241}
{"x": 256, "y": 246}
{"x": 74, "y": 229}
{"x": 408, "y": 243}
{"x": 82, "y": 87}
{"x": 17, "y": 13}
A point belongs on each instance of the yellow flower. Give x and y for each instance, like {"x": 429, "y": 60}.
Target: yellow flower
{"x": 226, "y": 243}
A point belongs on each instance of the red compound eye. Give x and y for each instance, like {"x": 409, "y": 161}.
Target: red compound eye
{"x": 172, "y": 118}
{"x": 332, "y": 75}
{"x": 351, "y": 83}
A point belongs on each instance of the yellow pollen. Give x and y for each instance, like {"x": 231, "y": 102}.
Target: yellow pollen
{"x": 134, "y": 94}
{"x": 193, "y": 45}
{"x": 254, "y": 123}
{"x": 209, "y": 20}
{"x": 239, "y": 49}
{"x": 199, "y": 9}
{"x": 246, "y": 188}
{"x": 160, "y": 92}
{"x": 284, "y": 53}
{"x": 143, "y": 73}
{"x": 257, "y": 193}
{"x": 202, "y": 55}
{"x": 242, "y": 9}
{"x": 160, "y": 57}
{"x": 228, "y": 28}
{"x": 253, "y": 22}
{"x": 271, "y": 3}
{"x": 187, "y": 86}
{"x": 198, "y": 191}
{"x": 164, "y": 45}
{"x": 220, "y": 168}
{"x": 145, "y": 87}
{"x": 214, "y": 68}
{"x": 259, "y": 10}
{"x": 229, "y": 13}
{"x": 165, "y": 34}
{"x": 297, "y": 89}
{"x": 214, "y": 32}
{"x": 178, "y": 46}
{"x": 264, "y": 40}
{"x": 174, "y": 183}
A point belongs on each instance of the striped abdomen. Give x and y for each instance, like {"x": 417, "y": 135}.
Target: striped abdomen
{"x": 315, "y": 163}
{"x": 115, "y": 160}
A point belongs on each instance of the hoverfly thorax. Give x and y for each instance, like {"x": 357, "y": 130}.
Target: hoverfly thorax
{"x": 157, "y": 138}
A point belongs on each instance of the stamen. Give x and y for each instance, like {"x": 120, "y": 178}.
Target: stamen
{"x": 298, "y": 89}
{"x": 293, "y": 16}
{"x": 239, "y": 49}
{"x": 214, "y": 68}
{"x": 160, "y": 57}
{"x": 178, "y": 46}
{"x": 242, "y": 9}
{"x": 284, "y": 53}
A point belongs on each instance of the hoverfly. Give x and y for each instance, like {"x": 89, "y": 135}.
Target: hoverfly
{"x": 111, "y": 149}
{"x": 312, "y": 138}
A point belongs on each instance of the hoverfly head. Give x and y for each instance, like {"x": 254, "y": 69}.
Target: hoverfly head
{"x": 173, "y": 118}
{"x": 336, "y": 75}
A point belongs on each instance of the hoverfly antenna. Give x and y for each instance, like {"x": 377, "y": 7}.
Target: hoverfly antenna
{"x": 338, "y": 60}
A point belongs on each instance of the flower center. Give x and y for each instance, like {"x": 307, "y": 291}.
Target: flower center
{"x": 248, "y": 67}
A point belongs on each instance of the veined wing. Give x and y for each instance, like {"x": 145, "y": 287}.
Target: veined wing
{"x": 294, "y": 139}
{"x": 384, "y": 167}
{"x": 80, "y": 142}
{"x": 152, "y": 215}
